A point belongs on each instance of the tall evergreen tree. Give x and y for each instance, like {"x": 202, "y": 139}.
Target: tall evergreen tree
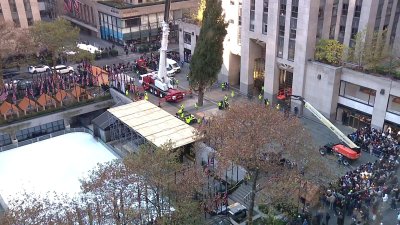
{"x": 207, "y": 57}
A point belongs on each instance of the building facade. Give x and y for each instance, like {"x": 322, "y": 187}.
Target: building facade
{"x": 277, "y": 41}
{"x": 126, "y": 22}
{"x": 22, "y": 13}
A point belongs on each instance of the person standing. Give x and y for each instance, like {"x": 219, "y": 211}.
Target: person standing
{"x": 327, "y": 218}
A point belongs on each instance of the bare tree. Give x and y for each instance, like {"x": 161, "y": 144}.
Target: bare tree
{"x": 268, "y": 144}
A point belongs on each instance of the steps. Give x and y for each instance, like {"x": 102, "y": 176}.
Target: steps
{"x": 240, "y": 194}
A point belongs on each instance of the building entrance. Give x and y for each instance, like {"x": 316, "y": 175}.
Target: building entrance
{"x": 258, "y": 74}
{"x": 353, "y": 118}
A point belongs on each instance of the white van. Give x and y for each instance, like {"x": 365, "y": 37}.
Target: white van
{"x": 173, "y": 65}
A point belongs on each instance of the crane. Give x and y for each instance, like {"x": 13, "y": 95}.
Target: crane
{"x": 158, "y": 83}
{"x": 350, "y": 151}
{"x": 162, "y": 69}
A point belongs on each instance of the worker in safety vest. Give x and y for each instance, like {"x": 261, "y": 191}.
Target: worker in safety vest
{"x": 126, "y": 92}
{"x": 223, "y": 86}
{"x": 233, "y": 94}
{"x": 146, "y": 97}
{"x": 220, "y": 104}
{"x": 260, "y": 97}
{"x": 180, "y": 111}
{"x": 188, "y": 119}
{"x": 176, "y": 82}
{"x": 196, "y": 106}
{"x": 226, "y": 98}
{"x": 262, "y": 89}
{"x": 266, "y": 102}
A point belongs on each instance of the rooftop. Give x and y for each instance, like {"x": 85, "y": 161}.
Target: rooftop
{"x": 125, "y": 5}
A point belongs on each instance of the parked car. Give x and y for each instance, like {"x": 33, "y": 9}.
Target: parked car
{"x": 38, "y": 69}
{"x": 63, "y": 69}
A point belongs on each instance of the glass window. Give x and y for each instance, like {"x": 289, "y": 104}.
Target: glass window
{"x": 187, "y": 38}
{"x": 280, "y": 47}
{"x": 292, "y": 48}
{"x": 394, "y": 104}
{"x": 134, "y": 22}
{"x": 357, "y": 93}
{"x": 282, "y": 7}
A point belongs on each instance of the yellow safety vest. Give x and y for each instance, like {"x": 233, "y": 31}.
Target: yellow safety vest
{"x": 232, "y": 94}
{"x": 146, "y": 97}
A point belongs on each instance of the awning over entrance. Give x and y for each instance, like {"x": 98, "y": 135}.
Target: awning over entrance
{"x": 154, "y": 124}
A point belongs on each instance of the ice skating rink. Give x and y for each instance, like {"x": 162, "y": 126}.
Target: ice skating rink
{"x": 52, "y": 165}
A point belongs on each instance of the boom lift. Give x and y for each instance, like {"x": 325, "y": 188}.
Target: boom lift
{"x": 347, "y": 149}
{"x": 158, "y": 83}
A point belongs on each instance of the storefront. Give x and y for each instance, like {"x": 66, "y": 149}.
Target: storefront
{"x": 352, "y": 117}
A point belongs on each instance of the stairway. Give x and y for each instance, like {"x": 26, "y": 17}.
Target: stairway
{"x": 241, "y": 194}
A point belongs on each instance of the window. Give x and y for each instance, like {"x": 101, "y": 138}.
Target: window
{"x": 265, "y": 17}
{"x": 394, "y": 104}
{"x": 265, "y": 9}
{"x": 292, "y": 34}
{"x": 295, "y": 8}
{"x": 345, "y": 9}
{"x": 282, "y": 7}
{"x": 292, "y": 48}
{"x": 252, "y": 14}
{"x": 357, "y": 10}
{"x": 134, "y": 22}
{"x": 357, "y": 93}
{"x": 187, "y": 38}
{"x": 280, "y": 47}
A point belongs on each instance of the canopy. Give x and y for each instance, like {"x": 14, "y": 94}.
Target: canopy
{"x": 8, "y": 109}
{"x": 61, "y": 95}
{"x": 154, "y": 124}
{"x": 45, "y": 100}
{"x": 99, "y": 74}
{"x": 27, "y": 104}
{"x": 77, "y": 91}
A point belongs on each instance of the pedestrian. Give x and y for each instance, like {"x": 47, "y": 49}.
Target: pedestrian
{"x": 327, "y": 218}
{"x": 305, "y": 222}
{"x": 177, "y": 83}
{"x": 196, "y": 106}
{"x": 260, "y": 97}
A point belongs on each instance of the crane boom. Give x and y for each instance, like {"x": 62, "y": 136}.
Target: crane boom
{"x": 326, "y": 122}
{"x": 162, "y": 69}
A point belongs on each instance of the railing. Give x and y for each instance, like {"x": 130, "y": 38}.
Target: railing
{"x": 246, "y": 198}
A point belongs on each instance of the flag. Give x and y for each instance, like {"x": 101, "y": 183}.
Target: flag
{"x": 76, "y": 4}
{"x": 68, "y": 5}
{"x": 14, "y": 96}
{"x": 41, "y": 87}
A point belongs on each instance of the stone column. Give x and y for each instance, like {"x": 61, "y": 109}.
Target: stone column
{"x": 21, "y": 13}
{"x": 6, "y": 10}
{"x": 271, "y": 75}
{"x": 35, "y": 10}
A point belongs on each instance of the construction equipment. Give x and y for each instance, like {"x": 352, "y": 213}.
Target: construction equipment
{"x": 158, "y": 83}
{"x": 347, "y": 149}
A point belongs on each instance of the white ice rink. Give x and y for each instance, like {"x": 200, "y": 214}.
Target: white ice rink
{"x": 52, "y": 165}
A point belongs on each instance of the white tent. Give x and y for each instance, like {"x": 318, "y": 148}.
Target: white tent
{"x": 154, "y": 124}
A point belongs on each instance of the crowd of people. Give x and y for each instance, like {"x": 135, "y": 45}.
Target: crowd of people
{"x": 375, "y": 141}
{"x": 370, "y": 189}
